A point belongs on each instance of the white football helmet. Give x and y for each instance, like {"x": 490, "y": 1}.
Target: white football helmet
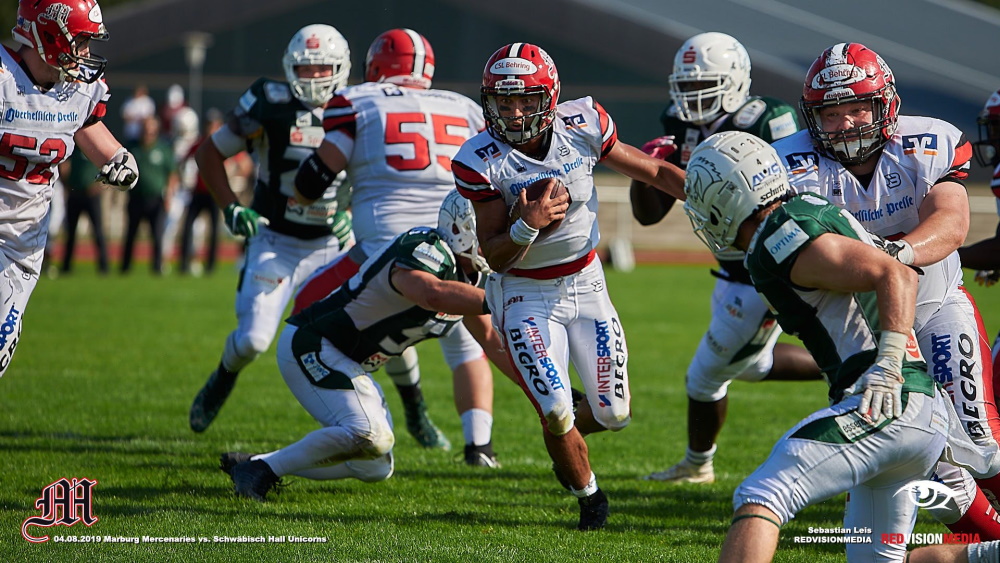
{"x": 457, "y": 226}
{"x": 317, "y": 44}
{"x": 711, "y": 77}
{"x": 729, "y": 177}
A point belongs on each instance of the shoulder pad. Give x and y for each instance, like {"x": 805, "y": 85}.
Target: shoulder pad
{"x": 277, "y": 92}
{"x": 749, "y": 113}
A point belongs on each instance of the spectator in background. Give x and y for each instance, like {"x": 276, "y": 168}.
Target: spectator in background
{"x": 202, "y": 202}
{"x": 183, "y": 134}
{"x": 172, "y": 105}
{"x": 147, "y": 201}
{"x": 83, "y": 196}
{"x": 134, "y": 110}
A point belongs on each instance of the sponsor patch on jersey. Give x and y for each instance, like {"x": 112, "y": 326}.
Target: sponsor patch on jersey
{"x": 854, "y": 426}
{"x": 786, "y": 240}
{"x": 310, "y": 137}
{"x": 277, "y": 93}
{"x": 303, "y": 118}
{"x": 430, "y": 256}
{"x": 749, "y": 113}
{"x": 312, "y": 364}
{"x": 782, "y": 126}
{"x": 15, "y": 117}
{"x": 247, "y": 101}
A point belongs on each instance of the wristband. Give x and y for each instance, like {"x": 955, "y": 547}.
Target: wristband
{"x": 314, "y": 177}
{"x": 522, "y": 234}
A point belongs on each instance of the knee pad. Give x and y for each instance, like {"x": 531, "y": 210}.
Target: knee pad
{"x": 560, "y": 419}
{"x": 615, "y": 423}
{"x": 404, "y": 369}
{"x": 379, "y": 443}
{"x": 372, "y": 470}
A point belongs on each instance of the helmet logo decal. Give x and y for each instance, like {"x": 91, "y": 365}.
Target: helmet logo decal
{"x": 690, "y": 56}
{"x": 515, "y": 66}
{"x": 701, "y": 173}
{"x": 312, "y": 42}
{"x": 838, "y": 75}
{"x": 95, "y": 14}
{"x": 58, "y": 13}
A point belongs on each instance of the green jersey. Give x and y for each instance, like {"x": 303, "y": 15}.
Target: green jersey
{"x": 367, "y": 319}
{"x": 840, "y": 330}
{"x": 768, "y": 118}
{"x": 281, "y": 132}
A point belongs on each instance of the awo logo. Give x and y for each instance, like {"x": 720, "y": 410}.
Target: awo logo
{"x": 63, "y": 503}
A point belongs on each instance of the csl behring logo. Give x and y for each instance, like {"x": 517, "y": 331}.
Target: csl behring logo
{"x": 927, "y": 494}
{"x": 64, "y": 502}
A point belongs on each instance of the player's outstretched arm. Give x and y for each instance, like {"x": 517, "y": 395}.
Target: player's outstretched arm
{"x": 212, "y": 168}
{"x": 944, "y": 224}
{"x": 632, "y": 162}
{"x": 481, "y": 328}
{"x": 428, "y": 292}
{"x": 117, "y": 165}
{"x": 983, "y": 255}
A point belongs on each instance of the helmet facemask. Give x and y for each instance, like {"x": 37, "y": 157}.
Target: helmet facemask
{"x": 532, "y": 124}
{"x": 987, "y": 148}
{"x": 857, "y": 144}
{"x": 705, "y": 97}
{"x": 320, "y": 45}
{"x": 457, "y": 226}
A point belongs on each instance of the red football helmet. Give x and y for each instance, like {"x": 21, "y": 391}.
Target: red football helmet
{"x": 520, "y": 69}
{"x": 57, "y": 29}
{"x": 987, "y": 149}
{"x": 400, "y": 56}
{"x": 845, "y": 73}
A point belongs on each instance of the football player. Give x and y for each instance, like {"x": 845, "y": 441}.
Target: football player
{"x": 901, "y": 177}
{"x": 982, "y": 255}
{"x": 420, "y": 285}
{"x": 395, "y": 136}
{"x": 550, "y": 302}
{"x": 54, "y": 98}
{"x": 279, "y": 124}
{"x": 828, "y": 282}
{"x": 710, "y": 92}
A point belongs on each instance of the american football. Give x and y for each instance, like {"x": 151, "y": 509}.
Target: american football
{"x": 535, "y": 191}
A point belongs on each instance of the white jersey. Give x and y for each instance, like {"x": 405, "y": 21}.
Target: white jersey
{"x": 922, "y": 152}
{"x": 582, "y": 134}
{"x": 36, "y": 134}
{"x": 399, "y": 143}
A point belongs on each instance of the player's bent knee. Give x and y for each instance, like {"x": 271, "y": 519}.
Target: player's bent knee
{"x": 705, "y": 389}
{"x": 372, "y": 470}
{"x": 560, "y": 419}
{"x": 615, "y": 423}
{"x": 378, "y": 444}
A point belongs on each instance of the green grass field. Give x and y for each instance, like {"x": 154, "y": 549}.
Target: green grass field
{"x": 107, "y": 367}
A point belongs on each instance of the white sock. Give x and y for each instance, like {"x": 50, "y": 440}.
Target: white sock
{"x": 700, "y": 458}
{"x": 590, "y": 489}
{"x": 477, "y": 427}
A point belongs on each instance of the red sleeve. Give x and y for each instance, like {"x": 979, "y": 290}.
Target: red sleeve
{"x": 609, "y": 133}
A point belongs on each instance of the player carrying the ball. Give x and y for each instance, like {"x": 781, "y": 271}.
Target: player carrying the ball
{"x": 548, "y": 298}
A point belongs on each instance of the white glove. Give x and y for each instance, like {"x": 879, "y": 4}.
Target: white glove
{"x": 882, "y": 383}
{"x": 898, "y": 249}
{"x": 121, "y": 172}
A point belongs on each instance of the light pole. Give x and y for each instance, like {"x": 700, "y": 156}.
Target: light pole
{"x": 196, "y": 43}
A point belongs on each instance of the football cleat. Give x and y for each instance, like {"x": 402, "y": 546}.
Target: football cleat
{"x": 254, "y": 479}
{"x": 210, "y": 399}
{"x": 685, "y": 472}
{"x": 593, "y": 511}
{"x": 481, "y": 456}
{"x": 229, "y": 460}
{"x": 419, "y": 425}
